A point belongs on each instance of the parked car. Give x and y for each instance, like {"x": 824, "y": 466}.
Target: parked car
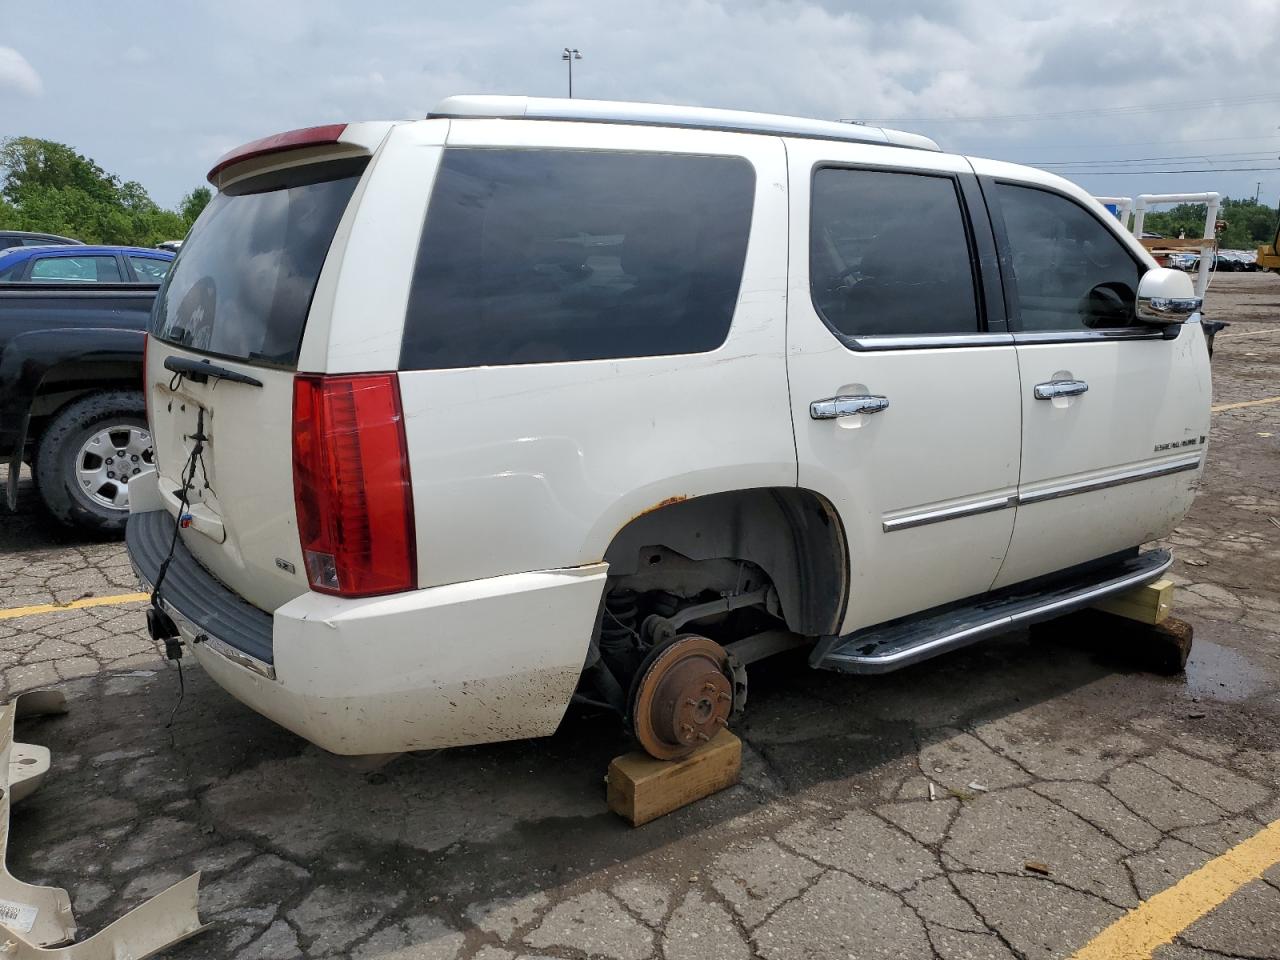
{"x": 459, "y": 419}
{"x": 173, "y": 246}
{"x": 84, "y": 263}
{"x": 72, "y": 325}
{"x": 23, "y": 238}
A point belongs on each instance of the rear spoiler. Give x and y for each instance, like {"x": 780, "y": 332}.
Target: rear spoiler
{"x": 325, "y": 135}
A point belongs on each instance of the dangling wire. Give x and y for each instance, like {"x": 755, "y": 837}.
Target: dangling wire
{"x": 182, "y": 692}
{"x": 189, "y": 470}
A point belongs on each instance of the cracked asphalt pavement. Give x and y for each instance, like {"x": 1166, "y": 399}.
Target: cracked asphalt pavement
{"x": 1011, "y": 800}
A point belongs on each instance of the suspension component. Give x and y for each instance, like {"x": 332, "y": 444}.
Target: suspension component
{"x": 618, "y": 633}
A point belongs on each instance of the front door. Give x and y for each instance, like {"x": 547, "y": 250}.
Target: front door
{"x": 903, "y": 378}
{"x": 1115, "y": 414}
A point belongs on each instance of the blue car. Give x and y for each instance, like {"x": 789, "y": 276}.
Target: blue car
{"x": 84, "y": 263}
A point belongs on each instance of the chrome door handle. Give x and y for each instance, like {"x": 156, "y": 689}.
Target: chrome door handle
{"x": 834, "y": 407}
{"x": 1060, "y": 388}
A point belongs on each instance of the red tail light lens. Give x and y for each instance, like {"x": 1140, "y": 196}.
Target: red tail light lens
{"x": 351, "y": 485}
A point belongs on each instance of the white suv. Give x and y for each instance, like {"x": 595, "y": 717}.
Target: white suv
{"x": 462, "y": 419}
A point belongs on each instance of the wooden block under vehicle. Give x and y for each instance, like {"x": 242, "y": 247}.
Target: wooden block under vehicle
{"x": 1149, "y": 604}
{"x": 642, "y": 788}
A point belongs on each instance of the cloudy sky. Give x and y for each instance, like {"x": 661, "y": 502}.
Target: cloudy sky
{"x": 156, "y": 91}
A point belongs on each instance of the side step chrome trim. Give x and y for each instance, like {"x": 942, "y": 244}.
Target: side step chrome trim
{"x": 892, "y": 646}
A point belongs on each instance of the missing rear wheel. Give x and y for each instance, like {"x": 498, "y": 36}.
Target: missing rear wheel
{"x": 682, "y": 696}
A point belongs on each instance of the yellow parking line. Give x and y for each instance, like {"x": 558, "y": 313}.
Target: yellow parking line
{"x": 1155, "y": 922}
{"x": 1244, "y": 403}
{"x": 14, "y": 612}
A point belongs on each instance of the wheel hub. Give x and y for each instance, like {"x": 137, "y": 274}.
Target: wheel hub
{"x": 109, "y": 458}
{"x": 682, "y": 698}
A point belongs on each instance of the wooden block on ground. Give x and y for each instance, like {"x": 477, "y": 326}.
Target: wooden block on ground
{"x": 1149, "y": 604}
{"x": 642, "y": 788}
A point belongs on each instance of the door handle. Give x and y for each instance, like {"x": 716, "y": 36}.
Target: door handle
{"x": 1060, "y": 388}
{"x": 834, "y": 407}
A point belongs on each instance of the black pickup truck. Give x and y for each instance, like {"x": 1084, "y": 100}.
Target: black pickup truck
{"x": 71, "y": 402}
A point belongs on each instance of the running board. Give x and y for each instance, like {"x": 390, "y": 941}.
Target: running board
{"x": 900, "y": 643}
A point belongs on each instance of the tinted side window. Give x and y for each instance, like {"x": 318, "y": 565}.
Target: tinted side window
{"x": 1071, "y": 271}
{"x": 539, "y": 256}
{"x": 76, "y": 270}
{"x": 889, "y": 254}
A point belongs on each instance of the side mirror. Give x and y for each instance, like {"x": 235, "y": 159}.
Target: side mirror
{"x": 1166, "y": 296}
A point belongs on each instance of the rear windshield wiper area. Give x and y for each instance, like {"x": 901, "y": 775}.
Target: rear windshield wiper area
{"x": 199, "y": 371}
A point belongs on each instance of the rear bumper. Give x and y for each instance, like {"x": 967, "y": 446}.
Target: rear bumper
{"x": 472, "y": 662}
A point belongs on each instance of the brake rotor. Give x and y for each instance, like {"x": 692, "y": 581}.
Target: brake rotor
{"x": 682, "y": 697}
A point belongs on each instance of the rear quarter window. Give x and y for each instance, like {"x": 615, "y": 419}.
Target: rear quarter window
{"x": 543, "y": 256}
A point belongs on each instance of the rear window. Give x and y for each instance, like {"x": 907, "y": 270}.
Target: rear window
{"x": 243, "y": 282}
{"x": 539, "y": 256}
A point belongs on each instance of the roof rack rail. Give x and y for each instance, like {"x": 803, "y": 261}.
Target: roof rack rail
{"x": 663, "y": 115}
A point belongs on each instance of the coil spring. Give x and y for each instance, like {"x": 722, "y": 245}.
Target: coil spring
{"x": 621, "y": 617}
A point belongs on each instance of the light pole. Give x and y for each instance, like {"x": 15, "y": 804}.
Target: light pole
{"x": 569, "y": 56}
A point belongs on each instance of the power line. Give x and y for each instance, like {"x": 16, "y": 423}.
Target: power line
{"x": 1149, "y": 143}
{"x": 1096, "y": 112}
{"x": 1134, "y": 173}
{"x": 1207, "y": 158}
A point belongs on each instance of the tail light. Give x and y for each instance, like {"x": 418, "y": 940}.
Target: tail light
{"x": 351, "y": 485}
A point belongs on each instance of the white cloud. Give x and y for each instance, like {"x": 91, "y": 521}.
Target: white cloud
{"x": 17, "y": 74}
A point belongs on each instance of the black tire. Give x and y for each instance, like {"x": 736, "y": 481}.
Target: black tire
{"x": 56, "y": 467}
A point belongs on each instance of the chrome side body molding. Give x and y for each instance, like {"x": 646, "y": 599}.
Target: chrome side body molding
{"x": 1051, "y": 492}
{"x": 950, "y": 513}
{"x": 1134, "y": 475}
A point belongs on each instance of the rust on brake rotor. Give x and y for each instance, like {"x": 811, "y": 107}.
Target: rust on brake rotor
{"x": 683, "y": 699}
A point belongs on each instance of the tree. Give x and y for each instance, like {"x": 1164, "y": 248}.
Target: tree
{"x": 194, "y": 203}
{"x": 1249, "y": 223}
{"x": 49, "y": 187}
{"x": 31, "y": 165}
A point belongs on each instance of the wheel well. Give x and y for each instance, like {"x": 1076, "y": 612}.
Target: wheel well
{"x": 793, "y": 536}
{"x": 68, "y": 382}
